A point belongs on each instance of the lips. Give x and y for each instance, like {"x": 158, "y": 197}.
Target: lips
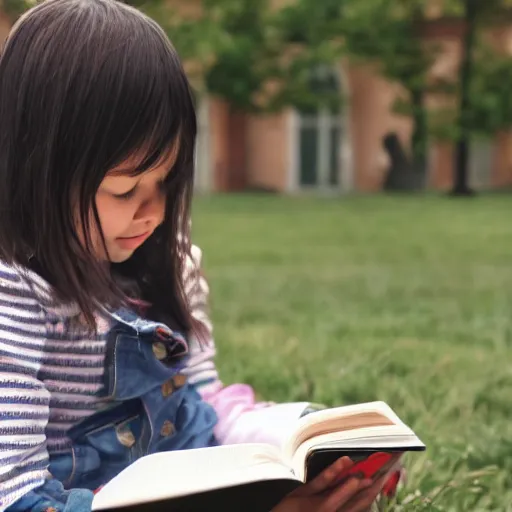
{"x": 134, "y": 237}
{"x": 132, "y": 242}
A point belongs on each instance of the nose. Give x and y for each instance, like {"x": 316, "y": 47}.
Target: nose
{"x": 151, "y": 210}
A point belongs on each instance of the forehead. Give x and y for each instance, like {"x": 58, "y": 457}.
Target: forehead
{"x": 135, "y": 164}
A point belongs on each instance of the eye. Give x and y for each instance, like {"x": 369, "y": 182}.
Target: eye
{"x": 126, "y": 195}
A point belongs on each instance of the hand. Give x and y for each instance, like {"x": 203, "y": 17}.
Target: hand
{"x": 323, "y": 494}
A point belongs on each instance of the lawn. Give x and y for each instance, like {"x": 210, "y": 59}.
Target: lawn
{"x": 407, "y": 300}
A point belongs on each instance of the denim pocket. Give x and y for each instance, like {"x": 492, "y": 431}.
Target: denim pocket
{"x": 102, "y": 452}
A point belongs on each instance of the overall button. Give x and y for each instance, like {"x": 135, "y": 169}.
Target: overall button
{"x": 167, "y": 388}
{"x": 174, "y": 383}
{"x": 179, "y": 380}
{"x": 125, "y": 436}
{"x": 160, "y": 350}
{"x": 167, "y": 429}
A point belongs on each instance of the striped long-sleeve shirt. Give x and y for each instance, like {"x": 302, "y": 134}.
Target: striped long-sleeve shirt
{"x": 51, "y": 371}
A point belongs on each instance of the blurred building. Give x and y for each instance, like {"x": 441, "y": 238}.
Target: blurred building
{"x": 337, "y": 151}
{"x": 341, "y": 151}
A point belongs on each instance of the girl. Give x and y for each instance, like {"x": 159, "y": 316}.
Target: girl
{"x": 97, "y": 278}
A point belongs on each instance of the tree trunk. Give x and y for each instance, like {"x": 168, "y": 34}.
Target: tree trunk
{"x": 461, "y": 178}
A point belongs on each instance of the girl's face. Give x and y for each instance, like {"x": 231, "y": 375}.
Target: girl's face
{"x": 130, "y": 208}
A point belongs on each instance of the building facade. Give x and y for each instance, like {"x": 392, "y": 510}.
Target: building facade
{"x": 335, "y": 151}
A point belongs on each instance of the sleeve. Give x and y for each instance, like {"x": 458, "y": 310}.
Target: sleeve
{"x": 241, "y": 417}
{"x": 24, "y": 403}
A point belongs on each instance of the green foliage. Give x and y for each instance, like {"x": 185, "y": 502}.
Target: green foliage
{"x": 386, "y": 32}
{"x": 263, "y": 59}
{"x": 15, "y": 8}
{"x": 260, "y": 58}
{"x": 491, "y": 93}
{"x": 248, "y": 53}
{"x": 263, "y": 63}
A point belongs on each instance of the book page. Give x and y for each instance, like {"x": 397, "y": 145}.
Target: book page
{"x": 170, "y": 475}
{"x": 339, "y": 419}
{"x": 386, "y": 438}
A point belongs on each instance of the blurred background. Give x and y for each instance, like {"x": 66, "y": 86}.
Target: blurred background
{"x": 344, "y": 96}
{"x": 354, "y": 165}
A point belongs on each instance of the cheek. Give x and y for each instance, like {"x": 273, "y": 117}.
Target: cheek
{"x": 115, "y": 218}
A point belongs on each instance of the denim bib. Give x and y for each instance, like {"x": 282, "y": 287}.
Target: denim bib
{"x": 148, "y": 406}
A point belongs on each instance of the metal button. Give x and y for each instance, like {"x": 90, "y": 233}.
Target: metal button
{"x": 167, "y": 429}
{"x": 125, "y": 436}
{"x": 179, "y": 380}
{"x": 167, "y": 388}
{"x": 160, "y": 350}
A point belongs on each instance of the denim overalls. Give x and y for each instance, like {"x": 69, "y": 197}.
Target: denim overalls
{"x": 148, "y": 407}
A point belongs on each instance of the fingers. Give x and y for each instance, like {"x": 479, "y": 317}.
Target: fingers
{"x": 364, "y": 501}
{"x": 343, "y": 494}
{"x": 327, "y": 478}
{"x": 328, "y": 495}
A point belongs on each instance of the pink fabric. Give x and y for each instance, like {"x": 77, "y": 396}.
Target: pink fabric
{"x": 230, "y": 403}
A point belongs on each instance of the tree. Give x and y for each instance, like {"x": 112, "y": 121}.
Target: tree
{"x": 491, "y": 100}
{"x": 477, "y": 15}
{"x": 461, "y": 186}
{"x": 15, "y": 8}
{"x": 246, "y": 51}
{"x": 260, "y": 58}
{"x": 387, "y": 34}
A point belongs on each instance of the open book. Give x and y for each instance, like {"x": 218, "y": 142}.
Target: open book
{"x": 255, "y": 477}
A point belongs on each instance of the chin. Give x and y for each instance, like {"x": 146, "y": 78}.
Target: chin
{"x": 120, "y": 257}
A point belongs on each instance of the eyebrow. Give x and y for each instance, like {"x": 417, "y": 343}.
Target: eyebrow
{"x": 124, "y": 172}
{"x": 133, "y": 172}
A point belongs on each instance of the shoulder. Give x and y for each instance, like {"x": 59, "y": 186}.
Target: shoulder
{"x": 19, "y": 282}
{"x": 22, "y": 292}
{"x": 22, "y": 325}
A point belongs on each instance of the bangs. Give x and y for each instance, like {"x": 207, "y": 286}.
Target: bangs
{"x": 117, "y": 91}
{"x": 154, "y": 115}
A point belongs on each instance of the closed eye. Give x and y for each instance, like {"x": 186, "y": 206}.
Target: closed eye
{"x": 126, "y": 195}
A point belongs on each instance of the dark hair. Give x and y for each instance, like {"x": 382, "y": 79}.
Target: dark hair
{"x": 85, "y": 84}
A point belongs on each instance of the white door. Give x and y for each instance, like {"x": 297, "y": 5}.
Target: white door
{"x": 320, "y": 136}
{"x": 481, "y": 156}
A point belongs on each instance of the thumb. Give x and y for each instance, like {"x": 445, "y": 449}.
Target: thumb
{"x": 326, "y": 478}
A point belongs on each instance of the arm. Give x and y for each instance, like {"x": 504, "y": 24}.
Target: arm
{"x": 230, "y": 402}
{"x": 241, "y": 417}
{"x": 24, "y": 406}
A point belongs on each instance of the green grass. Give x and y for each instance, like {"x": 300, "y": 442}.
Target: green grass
{"x": 407, "y": 300}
